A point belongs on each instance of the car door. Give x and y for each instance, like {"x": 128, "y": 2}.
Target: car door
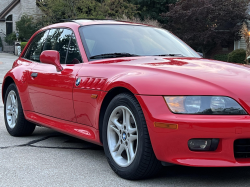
{"x": 50, "y": 90}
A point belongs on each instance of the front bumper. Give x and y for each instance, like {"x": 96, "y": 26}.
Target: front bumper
{"x": 171, "y": 145}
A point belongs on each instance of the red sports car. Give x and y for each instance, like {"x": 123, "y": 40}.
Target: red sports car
{"x": 139, "y": 91}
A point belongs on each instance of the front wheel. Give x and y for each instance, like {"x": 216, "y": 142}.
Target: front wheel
{"x": 15, "y": 122}
{"x": 126, "y": 140}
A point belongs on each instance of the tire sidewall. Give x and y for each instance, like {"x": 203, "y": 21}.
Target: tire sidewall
{"x": 124, "y": 100}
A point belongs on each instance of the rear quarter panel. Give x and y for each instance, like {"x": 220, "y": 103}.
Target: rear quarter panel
{"x": 19, "y": 74}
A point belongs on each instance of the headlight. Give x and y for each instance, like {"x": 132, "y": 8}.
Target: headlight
{"x": 204, "y": 105}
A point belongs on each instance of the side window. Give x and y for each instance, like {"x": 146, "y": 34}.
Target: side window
{"x": 36, "y": 47}
{"x": 58, "y": 40}
{"x": 74, "y": 55}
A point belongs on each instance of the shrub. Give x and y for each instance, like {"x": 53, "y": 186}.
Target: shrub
{"x": 9, "y": 39}
{"x": 237, "y": 56}
{"x": 221, "y": 57}
{"x": 23, "y": 44}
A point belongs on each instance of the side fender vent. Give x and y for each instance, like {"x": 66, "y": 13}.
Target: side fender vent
{"x": 92, "y": 83}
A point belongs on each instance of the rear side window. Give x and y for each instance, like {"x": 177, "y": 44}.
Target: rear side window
{"x": 36, "y": 47}
{"x": 58, "y": 39}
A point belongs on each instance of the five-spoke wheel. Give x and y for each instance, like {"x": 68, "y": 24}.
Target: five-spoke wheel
{"x": 11, "y": 109}
{"x": 15, "y": 121}
{"x": 126, "y": 140}
{"x": 122, "y": 136}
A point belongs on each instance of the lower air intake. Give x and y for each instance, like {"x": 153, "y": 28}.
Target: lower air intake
{"x": 242, "y": 148}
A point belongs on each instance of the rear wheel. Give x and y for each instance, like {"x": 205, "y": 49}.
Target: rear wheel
{"x": 15, "y": 122}
{"x": 126, "y": 140}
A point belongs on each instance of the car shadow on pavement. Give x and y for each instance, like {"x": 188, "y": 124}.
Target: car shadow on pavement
{"x": 231, "y": 176}
{"x": 47, "y": 138}
{"x": 175, "y": 175}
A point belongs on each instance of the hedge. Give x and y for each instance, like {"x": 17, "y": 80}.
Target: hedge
{"x": 221, "y": 57}
{"x": 23, "y": 44}
{"x": 237, "y": 56}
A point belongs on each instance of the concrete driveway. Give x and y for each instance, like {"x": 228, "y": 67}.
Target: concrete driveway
{"x": 48, "y": 158}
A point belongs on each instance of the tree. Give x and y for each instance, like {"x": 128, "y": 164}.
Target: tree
{"x": 152, "y": 9}
{"x": 118, "y": 8}
{"x": 26, "y": 27}
{"x": 57, "y": 10}
{"x": 206, "y": 23}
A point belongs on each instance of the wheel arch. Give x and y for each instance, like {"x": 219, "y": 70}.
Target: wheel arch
{"x": 107, "y": 99}
{"x": 7, "y": 81}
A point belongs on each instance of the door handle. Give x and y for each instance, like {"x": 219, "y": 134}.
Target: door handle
{"x": 34, "y": 75}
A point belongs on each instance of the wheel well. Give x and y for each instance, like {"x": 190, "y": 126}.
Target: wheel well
{"x": 110, "y": 95}
{"x": 7, "y": 82}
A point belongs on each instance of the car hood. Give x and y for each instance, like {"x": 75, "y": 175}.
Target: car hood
{"x": 187, "y": 76}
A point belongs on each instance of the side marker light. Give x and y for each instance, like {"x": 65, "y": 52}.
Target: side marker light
{"x": 166, "y": 125}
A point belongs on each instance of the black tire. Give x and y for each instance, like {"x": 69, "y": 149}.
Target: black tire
{"x": 145, "y": 163}
{"x": 22, "y": 126}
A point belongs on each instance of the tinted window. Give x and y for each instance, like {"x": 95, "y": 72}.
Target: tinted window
{"x": 74, "y": 56}
{"x": 36, "y": 47}
{"x": 138, "y": 40}
{"x": 58, "y": 40}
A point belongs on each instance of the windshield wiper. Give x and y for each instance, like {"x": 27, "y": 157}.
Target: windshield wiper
{"x": 112, "y": 55}
{"x": 170, "y": 55}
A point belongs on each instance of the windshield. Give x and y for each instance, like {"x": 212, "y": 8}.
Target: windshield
{"x": 100, "y": 40}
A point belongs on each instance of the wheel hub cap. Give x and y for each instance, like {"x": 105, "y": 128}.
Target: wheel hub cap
{"x": 124, "y": 136}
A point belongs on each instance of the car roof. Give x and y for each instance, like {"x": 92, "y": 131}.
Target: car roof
{"x": 85, "y": 22}
{"x": 97, "y": 22}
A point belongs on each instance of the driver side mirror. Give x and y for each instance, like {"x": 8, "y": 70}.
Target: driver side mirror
{"x": 51, "y": 57}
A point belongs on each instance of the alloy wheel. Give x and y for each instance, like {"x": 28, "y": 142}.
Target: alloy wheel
{"x": 122, "y": 135}
{"x": 11, "y": 109}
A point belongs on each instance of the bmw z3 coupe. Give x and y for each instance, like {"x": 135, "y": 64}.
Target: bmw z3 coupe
{"x": 139, "y": 91}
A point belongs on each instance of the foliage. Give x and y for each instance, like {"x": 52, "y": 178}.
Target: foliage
{"x": 26, "y": 27}
{"x": 23, "y": 44}
{"x": 146, "y": 21}
{"x": 237, "y": 56}
{"x": 152, "y": 9}
{"x": 221, "y": 57}
{"x": 57, "y": 10}
{"x": 245, "y": 34}
{"x": 11, "y": 38}
{"x": 118, "y": 8}
{"x": 206, "y": 23}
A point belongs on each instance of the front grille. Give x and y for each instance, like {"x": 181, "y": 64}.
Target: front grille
{"x": 242, "y": 148}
